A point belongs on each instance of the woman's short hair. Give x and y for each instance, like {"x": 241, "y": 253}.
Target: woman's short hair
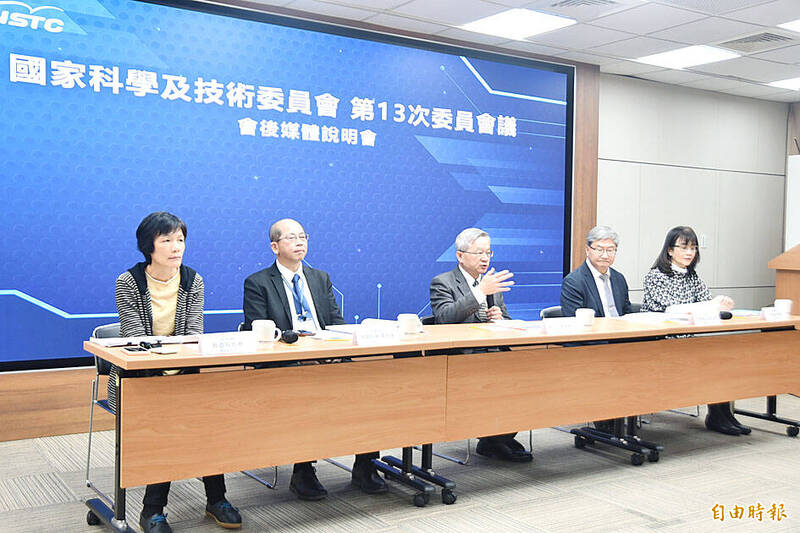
{"x": 153, "y": 225}
{"x": 675, "y": 236}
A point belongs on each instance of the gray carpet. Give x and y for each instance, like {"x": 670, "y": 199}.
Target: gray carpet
{"x": 42, "y": 487}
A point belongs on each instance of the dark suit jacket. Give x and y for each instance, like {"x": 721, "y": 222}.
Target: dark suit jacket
{"x": 265, "y": 298}
{"x": 452, "y": 301}
{"x": 579, "y": 290}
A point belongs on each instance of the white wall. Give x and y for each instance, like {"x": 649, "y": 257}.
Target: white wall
{"x": 672, "y": 156}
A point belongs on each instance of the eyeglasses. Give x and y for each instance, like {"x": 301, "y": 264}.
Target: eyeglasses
{"x": 293, "y": 237}
{"x": 606, "y": 251}
{"x": 685, "y": 248}
{"x": 487, "y": 253}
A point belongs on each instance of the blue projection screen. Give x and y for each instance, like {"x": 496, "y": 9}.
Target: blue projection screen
{"x": 383, "y": 148}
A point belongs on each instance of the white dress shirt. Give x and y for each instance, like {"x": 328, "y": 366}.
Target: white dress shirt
{"x": 601, "y": 289}
{"x": 476, "y": 290}
{"x": 288, "y": 276}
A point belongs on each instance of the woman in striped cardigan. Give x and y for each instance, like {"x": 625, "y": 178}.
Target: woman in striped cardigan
{"x": 162, "y": 296}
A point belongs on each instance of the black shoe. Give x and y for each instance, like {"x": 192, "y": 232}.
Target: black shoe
{"x": 721, "y": 425}
{"x": 306, "y": 486}
{"x": 156, "y": 523}
{"x": 726, "y": 410}
{"x": 224, "y": 514}
{"x": 518, "y": 450}
{"x": 502, "y": 451}
{"x": 366, "y": 478}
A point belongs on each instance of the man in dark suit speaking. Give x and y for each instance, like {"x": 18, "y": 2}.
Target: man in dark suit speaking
{"x": 473, "y": 293}
{"x": 595, "y": 284}
{"x": 299, "y": 297}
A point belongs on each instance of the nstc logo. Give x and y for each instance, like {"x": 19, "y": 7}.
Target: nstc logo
{"x": 30, "y": 19}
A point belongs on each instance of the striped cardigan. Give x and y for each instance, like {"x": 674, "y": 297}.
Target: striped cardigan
{"x": 136, "y": 312}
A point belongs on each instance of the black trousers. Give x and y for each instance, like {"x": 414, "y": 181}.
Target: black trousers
{"x": 156, "y": 495}
{"x": 361, "y": 459}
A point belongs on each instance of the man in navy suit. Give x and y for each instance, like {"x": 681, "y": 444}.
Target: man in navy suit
{"x": 298, "y": 297}
{"x": 595, "y": 284}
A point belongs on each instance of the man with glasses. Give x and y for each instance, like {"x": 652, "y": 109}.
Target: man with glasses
{"x": 595, "y": 284}
{"x": 471, "y": 292}
{"x": 298, "y": 297}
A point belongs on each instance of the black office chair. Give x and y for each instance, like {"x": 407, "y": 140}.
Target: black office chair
{"x": 102, "y": 368}
{"x": 551, "y": 312}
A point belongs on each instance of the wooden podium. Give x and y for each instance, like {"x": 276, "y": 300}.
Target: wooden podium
{"x": 787, "y": 279}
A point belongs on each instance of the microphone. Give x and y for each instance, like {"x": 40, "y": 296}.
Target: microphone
{"x": 490, "y": 300}
{"x": 725, "y": 315}
{"x": 289, "y": 336}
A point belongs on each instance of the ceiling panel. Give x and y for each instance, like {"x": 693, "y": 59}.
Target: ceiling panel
{"x": 770, "y": 14}
{"x": 580, "y": 36}
{"x": 754, "y": 90}
{"x": 448, "y": 12}
{"x": 628, "y": 68}
{"x": 534, "y": 48}
{"x": 751, "y": 69}
{"x": 587, "y": 58}
{"x": 582, "y": 10}
{"x": 715, "y": 7}
{"x": 647, "y": 18}
{"x": 405, "y": 23}
{"x": 708, "y": 30}
{"x": 332, "y": 10}
{"x": 790, "y": 54}
{"x": 788, "y": 96}
{"x": 715, "y": 84}
{"x": 673, "y": 76}
{"x": 636, "y": 47}
{"x": 464, "y": 35}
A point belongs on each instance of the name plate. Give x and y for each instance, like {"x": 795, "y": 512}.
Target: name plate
{"x": 373, "y": 331}
{"x": 562, "y": 325}
{"x": 230, "y": 342}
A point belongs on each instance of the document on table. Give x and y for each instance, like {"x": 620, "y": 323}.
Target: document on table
{"x": 505, "y": 325}
{"x": 111, "y": 342}
{"x": 332, "y": 335}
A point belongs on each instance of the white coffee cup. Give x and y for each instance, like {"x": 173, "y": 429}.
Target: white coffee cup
{"x": 585, "y": 316}
{"x": 783, "y": 306}
{"x": 408, "y": 323}
{"x": 265, "y": 331}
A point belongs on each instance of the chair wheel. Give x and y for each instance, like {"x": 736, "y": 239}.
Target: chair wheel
{"x": 448, "y": 497}
{"x": 792, "y": 431}
{"x": 420, "y": 499}
{"x": 92, "y": 519}
{"x": 580, "y": 442}
{"x": 653, "y": 456}
{"x": 637, "y": 459}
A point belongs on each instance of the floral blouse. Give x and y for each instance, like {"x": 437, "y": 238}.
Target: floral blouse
{"x": 662, "y": 290}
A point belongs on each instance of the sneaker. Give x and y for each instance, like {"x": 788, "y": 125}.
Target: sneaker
{"x": 156, "y": 523}
{"x": 224, "y": 514}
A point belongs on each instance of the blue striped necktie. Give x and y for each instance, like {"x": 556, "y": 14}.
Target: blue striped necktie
{"x": 612, "y": 307}
{"x": 301, "y": 306}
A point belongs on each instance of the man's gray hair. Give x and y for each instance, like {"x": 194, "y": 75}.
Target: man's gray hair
{"x": 599, "y": 233}
{"x": 467, "y": 237}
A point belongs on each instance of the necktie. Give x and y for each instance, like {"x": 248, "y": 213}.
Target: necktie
{"x": 482, "y": 316}
{"x": 612, "y": 307}
{"x": 301, "y": 306}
